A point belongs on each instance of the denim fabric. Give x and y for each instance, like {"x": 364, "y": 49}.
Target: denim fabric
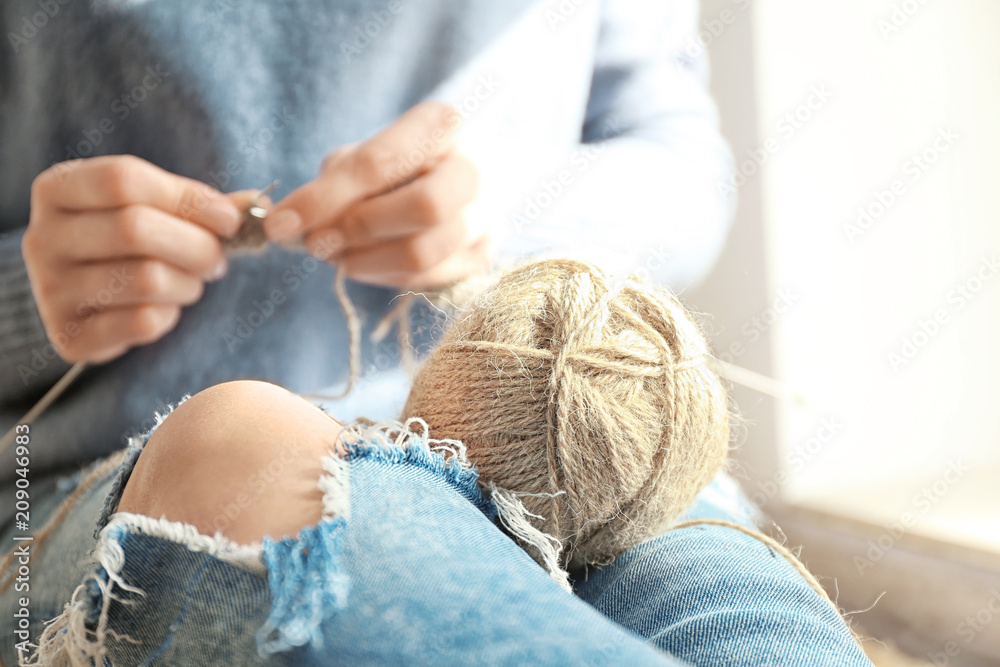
{"x": 415, "y": 571}
{"x": 418, "y": 573}
{"x": 721, "y": 598}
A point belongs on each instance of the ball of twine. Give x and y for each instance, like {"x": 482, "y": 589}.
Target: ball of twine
{"x": 590, "y": 400}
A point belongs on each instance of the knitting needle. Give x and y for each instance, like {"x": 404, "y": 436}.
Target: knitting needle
{"x": 253, "y": 210}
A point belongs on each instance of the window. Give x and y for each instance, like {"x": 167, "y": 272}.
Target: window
{"x": 864, "y": 274}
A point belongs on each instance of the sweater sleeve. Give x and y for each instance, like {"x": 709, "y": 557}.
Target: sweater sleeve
{"x": 647, "y": 172}
{"x": 28, "y": 363}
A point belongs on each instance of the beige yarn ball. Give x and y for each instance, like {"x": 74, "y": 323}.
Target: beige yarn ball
{"x": 597, "y": 397}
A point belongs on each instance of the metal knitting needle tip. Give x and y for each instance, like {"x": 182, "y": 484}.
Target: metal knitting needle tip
{"x": 268, "y": 189}
{"x": 255, "y": 210}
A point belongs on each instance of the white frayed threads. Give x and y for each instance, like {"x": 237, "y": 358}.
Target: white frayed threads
{"x": 246, "y": 556}
{"x": 517, "y": 520}
{"x": 393, "y": 434}
{"x": 138, "y": 440}
{"x": 336, "y": 487}
{"x": 66, "y": 641}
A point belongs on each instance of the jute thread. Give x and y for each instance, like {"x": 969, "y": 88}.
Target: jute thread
{"x": 560, "y": 379}
{"x": 593, "y": 404}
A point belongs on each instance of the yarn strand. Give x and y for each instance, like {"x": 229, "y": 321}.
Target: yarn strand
{"x": 353, "y": 331}
{"x": 586, "y": 397}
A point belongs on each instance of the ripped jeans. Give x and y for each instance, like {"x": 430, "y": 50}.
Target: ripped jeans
{"x": 406, "y": 565}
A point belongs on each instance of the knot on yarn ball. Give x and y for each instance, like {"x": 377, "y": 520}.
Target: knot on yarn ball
{"x": 589, "y": 399}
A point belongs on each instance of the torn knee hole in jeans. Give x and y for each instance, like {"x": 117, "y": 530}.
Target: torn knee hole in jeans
{"x": 305, "y": 577}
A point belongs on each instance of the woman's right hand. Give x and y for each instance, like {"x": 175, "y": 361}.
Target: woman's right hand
{"x": 115, "y": 247}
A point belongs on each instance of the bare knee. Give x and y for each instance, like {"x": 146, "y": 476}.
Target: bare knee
{"x": 243, "y": 458}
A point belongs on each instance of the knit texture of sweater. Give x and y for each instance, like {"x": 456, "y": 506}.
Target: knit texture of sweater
{"x": 589, "y": 121}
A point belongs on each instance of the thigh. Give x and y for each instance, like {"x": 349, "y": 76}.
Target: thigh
{"x": 44, "y": 563}
{"x": 428, "y": 565}
{"x": 409, "y": 569}
{"x": 713, "y": 594}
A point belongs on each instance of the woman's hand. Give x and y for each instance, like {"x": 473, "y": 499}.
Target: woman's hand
{"x": 115, "y": 246}
{"x": 391, "y": 209}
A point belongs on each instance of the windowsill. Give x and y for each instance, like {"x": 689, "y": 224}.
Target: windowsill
{"x": 959, "y": 509}
{"x": 930, "y": 596}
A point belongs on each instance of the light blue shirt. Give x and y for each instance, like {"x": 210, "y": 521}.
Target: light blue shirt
{"x": 590, "y": 123}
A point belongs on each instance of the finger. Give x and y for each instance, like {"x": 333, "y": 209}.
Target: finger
{"x": 126, "y": 327}
{"x": 441, "y": 194}
{"x": 470, "y": 261}
{"x": 243, "y": 199}
{"x": 114, "y": 285}
{"x": 410, "y": 146}
{"x": 113, "y": 181}
{"x": 411, "y": 255}
{"x": 108, "y": 355}
{"x": 136, "y": 232}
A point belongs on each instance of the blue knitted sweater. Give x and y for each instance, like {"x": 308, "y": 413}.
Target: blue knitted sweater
{"x": 589, "y": 120}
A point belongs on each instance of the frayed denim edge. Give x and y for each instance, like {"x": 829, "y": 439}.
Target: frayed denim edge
{"x": 396, "y": 442}
{"x": 136, "y": 443}
{"x": 307, "y": 581}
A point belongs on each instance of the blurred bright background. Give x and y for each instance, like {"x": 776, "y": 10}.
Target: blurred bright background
{"x": 863, "y": 272}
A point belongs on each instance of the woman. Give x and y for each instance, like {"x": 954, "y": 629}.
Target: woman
{"x": 582, "y": 125}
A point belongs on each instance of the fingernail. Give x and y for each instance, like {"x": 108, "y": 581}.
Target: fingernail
{"x": 225, "y": 214}
{"x": 282, "y": 225}
{"x": 219, "y": 270}
{"x": 329, "y": 244}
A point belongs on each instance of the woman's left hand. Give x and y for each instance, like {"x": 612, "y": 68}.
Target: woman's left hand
{"x": 392, "y": 209}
